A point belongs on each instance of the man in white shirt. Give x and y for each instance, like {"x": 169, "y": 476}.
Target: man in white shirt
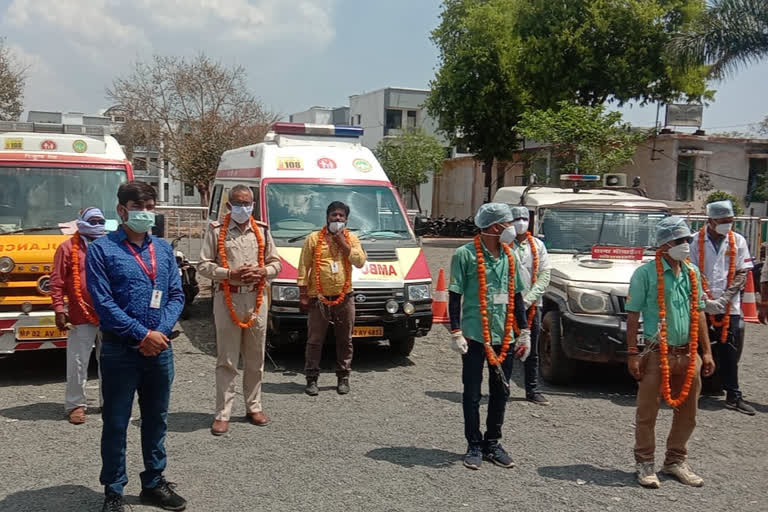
{"x": 715, "y": 248}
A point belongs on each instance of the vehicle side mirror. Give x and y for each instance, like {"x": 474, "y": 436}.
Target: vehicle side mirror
{"x": 420, "y": 225}
{"x": 159, "y": 228}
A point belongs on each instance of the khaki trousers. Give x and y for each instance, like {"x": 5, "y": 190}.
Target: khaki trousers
{"x": 648, "y": 400}
{"x": 320, "y": 316}
{"x": 232, "y": 342}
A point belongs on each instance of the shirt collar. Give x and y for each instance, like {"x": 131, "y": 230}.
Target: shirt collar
{"x": 121, "y": 236}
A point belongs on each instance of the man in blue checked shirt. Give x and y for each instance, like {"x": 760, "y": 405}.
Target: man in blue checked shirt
{"x": 136, "y": 289}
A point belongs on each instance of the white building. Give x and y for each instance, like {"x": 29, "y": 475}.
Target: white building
{"x": 322, "y": 115}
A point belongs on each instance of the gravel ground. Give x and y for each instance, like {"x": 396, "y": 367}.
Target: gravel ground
{"x": 395, "y": 443}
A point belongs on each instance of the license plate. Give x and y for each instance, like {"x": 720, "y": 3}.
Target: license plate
{"x": 39, "y": 333}
{"x": 367, "y": 332}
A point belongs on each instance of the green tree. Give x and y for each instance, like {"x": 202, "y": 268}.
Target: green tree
{"x": 12, "y": 80}
{"x": 586, "y": 139}
{"x": 721, "y": 195}
{"x": 728, "y": 35}
{"x": 410, "y": 158}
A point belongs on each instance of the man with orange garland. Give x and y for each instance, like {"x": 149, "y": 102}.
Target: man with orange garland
{"x": 239, "y": 256}
{"x": 325, "y": 286}
{"x": 487, "y": 311}
{"x": 667, "y": 293}
{"x": 724, "y": 259}
{"x": 78, "y": 317}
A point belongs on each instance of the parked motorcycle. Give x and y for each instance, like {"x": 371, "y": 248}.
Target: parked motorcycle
{"x": 188, "y": 274}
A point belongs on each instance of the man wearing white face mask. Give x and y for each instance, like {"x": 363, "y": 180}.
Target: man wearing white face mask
{"x": 239, "y": 256}
{"x": 535, "y": 271}
{"x": 724, "y": 259}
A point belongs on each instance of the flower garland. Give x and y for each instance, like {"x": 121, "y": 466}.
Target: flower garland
{"x": 725, "y": 323}
{"x": 535, "y": 271}
{"x": 223, "y": 260}
{"x": 694, "y": 335}
{"x": 77, "y": 282}
{"x": 316, "y": 270}
{"x": 511, "y": 324}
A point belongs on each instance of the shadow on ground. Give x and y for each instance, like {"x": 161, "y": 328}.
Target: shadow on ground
{"x": 35, "y": 412}
{"x": 62, "y": 498}
{"x": 592, "y": 475}
{"x": 410, "y": 456}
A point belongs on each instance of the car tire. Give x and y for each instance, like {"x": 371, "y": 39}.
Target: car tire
{"x": 554, "y": 365}
{"x": 402, "y": 346}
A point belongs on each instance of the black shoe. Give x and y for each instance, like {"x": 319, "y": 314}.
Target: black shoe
{"x": 311, "y": 389}
{"x": 473, "y": 458}
{"x": 538, "y": 399}
{"x": 113, "y": 503}
{"x": 496, "y": 454}
{"x": 342, "y": 387}
{"x": 740, "y": 405}
{"x": 163, "y": 496}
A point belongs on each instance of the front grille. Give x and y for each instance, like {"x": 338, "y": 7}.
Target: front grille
{"x": 375, "y": 299}
{"x": 381, "y": 254}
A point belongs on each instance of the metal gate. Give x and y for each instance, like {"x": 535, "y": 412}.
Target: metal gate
{"x": 184, "y": 228}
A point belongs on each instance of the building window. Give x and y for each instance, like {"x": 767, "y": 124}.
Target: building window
{"x": 189, "y": 190}
{"x": 119, "y": 119}
{"x": 685, "y": 175}
{"x": 411, "y": 120}
{"x": 359, "y": 120}
{"x": 140, "y": 164}
{"x": 394, "y": 120}
{"x": 758, "y": 180}
{"x": 166, "y": 192}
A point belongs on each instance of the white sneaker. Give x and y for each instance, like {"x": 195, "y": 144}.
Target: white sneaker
{"x": 646, "y": 475}
{"x": 683, "y": 472}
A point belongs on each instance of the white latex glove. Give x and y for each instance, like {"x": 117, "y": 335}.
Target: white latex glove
{"x": 458, "y": 343}
{"x": 523, "y": 349}
{"x": 714, "y": 307}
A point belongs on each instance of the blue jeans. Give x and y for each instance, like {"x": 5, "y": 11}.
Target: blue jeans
{"x": 531, "y": 365}
{"x": 726, "y": 356}
{"x": 473, "y": 363}
{"x": 125, "y": 372}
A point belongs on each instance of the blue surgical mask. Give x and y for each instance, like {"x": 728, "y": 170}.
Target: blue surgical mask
{"x": 241, "y": 214}
{"x": 140, "y": 221}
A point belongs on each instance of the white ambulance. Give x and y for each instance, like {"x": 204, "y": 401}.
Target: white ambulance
{"x": 295, "y": 174}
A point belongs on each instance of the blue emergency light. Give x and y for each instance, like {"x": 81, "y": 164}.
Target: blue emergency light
{"x": 579, "y": 177}
{"x": 323, "y": 130}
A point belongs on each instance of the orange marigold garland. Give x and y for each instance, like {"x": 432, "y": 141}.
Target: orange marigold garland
{"x": 534, "y": 272}
{"x": 666, "y": 389}
{"x": 77, "y": 281}
{"x": 725, "y": 323}
{"x": 225, "y": 264}
{"x": 511, "y": 324}
{"x": 316, "y": 270}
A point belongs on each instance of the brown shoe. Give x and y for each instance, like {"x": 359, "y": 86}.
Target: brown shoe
{"x": 258, "y": 418}
{"x": 219, "y": 427}
{"x": 77, "y": 416}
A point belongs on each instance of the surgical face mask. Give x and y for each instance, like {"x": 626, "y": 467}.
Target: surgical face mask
{"x": 140, "y": 221}
{"x": 90, "y": 230}
{"x": 335, "y": 227}
{"x": 241, "y": 214}
{"x": 521, "y": 226}
{"x": 508, "y": 235}
{"x": 680, "y": 252}
{"x": 723, "y": 229}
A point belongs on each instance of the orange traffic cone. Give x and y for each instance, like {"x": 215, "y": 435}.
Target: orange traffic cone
{"x": 440, "y": 303}
{"x": 748, "y": 303}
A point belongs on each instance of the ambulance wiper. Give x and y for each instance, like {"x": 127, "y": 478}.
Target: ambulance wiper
{"x": 29, "y": 230}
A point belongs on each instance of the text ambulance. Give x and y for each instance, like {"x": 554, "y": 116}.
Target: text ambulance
{"x": 48, "y": 172}
{"x": 295, "y": 174}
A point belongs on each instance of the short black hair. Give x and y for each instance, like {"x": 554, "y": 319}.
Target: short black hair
{"x": 137, "y": 191}
{"x": 337, "y": 205}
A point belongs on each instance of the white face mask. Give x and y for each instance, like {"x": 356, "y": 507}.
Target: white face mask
{"x": 335, "y": 227}
{"x": 508, "y": 235}
{"x": 521, "y": 226}
{"x": 723, "y": 229}
{"x": 680, "y": 252}
{"x": 241, "y": 214}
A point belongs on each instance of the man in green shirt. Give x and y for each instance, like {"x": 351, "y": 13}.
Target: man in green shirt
{"x": 673, "y": 238}
{"x": 467, "y": 330}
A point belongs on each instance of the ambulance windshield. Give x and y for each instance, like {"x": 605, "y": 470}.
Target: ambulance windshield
{"x": 36, "y": 197}
{"x": 296, "y": 209}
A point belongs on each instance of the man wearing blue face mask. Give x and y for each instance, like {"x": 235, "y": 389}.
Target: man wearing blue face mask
{"x": 136, "y": 289}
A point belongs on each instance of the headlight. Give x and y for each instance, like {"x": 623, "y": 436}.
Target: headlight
{"x": 26, "y": 308}
{"x": 409, "y": 308}
{"x": 392, "y": 306}
{"x": 590, "y": 302}
{"x": 285, "y": 293}
{"x": 419, "y": 292}
{"x": 44, "y": 285}
{"x": 6, "y": 265}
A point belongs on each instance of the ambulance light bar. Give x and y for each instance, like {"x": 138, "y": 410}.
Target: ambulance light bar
{"x": 72, "y": 129}
{"x": 326, "y": 130}
{"x": 579, "y": 177}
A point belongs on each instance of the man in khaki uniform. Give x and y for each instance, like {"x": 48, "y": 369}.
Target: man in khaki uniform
{"x": 242, "y": 276}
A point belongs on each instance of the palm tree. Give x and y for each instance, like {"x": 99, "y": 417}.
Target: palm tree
{"x": 728, "y": 35}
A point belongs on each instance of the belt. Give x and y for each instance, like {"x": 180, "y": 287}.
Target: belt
{"x": 248, "y": 288}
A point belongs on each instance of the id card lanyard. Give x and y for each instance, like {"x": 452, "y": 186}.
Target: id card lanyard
{"x": 157, "y": 295}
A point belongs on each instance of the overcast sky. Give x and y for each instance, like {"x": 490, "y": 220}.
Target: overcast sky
{"x": 298, "y": 53}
